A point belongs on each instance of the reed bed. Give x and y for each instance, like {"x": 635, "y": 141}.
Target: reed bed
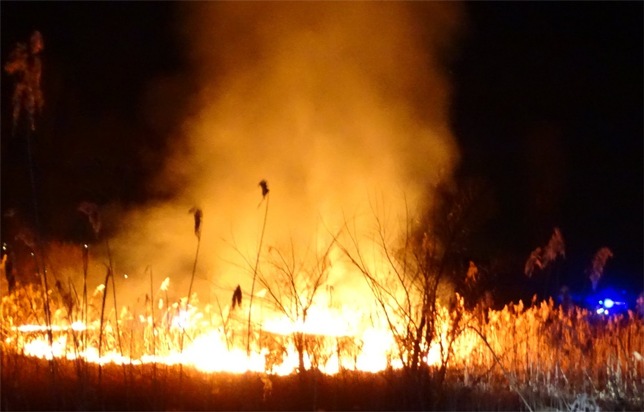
{"x": 553, "y": 357}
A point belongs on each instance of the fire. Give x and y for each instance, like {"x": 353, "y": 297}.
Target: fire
{"x": 329, "y": 139}
{"x": 314, "y": 322}
{"x": 333, "y": 338}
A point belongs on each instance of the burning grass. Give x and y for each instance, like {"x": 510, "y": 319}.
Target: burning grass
{"x": 528, "y": 357}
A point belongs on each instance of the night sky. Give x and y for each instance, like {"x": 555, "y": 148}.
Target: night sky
{"x": 547, "y": 108}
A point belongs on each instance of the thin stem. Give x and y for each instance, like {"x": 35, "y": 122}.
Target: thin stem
{"x": 192, "y": 279}
{"x": 85, "y": 251}
{"x": 116, "y": 321}
{"x": 40, "y": 256}
{"x": 194, "y": 270}
{"x": 116, "y": 311}
{"x": 40, "y": 260}
{"x": 154, "y": 338}
{"x": 252, "y": 288}
{"x": 100, "y": 330}
{"x": 183, "y": 327}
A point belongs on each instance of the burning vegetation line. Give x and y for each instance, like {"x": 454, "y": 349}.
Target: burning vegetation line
{"x": 542, "y": 344}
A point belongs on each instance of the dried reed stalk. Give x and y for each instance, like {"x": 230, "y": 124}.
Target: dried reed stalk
{"x": 265, "y": 191}
{"x": 100, "y": 330}
{"x": 198, "y": 216}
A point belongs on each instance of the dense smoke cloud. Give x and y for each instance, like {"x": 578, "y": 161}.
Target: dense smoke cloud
{"x": 339, "y": 106}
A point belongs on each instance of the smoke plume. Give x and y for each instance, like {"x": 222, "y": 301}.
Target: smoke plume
{"x": 338, "y": 106}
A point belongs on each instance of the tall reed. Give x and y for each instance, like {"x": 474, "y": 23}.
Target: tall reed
{"x": 101, "y": 325}
{"x": 265, "y": 196}
{"x": 25, "y": 64}
{"x": 198, "y": 216}
{"x": 84, "y": 308}
{"x": 153, "y": 334}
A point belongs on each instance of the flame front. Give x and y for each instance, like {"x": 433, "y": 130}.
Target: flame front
{"x": 330, "y": 339}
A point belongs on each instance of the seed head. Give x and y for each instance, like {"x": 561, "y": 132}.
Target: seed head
{"x": 91, "y": 211}
{"x": 598, "y": 263}
{"x": 198, "y": 214}
{"x": 264, "y": 185}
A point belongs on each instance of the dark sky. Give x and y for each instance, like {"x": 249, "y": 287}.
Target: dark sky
{"x": 547, "y": 108}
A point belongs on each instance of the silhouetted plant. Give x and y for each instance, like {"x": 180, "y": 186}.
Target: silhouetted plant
{"x": 597, "y": 265}
{"x": 415, "y": 278}
{"x": 541, "y": 258}
{"x": 264, "y": 185}
{"x": 198, "y": 216}
{"x": 292, "y": 285}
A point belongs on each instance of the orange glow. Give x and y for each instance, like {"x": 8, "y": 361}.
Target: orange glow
{"x": 334, "y": 339}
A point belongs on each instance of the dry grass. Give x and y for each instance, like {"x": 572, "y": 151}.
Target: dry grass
{"x": 26, "y": 387}
{"x": 553, "y": 358}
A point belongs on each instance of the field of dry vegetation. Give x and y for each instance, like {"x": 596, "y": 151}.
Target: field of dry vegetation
{"x": 517, "y": 358}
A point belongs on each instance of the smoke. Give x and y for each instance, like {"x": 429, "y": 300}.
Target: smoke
{"x": 339, "y": 106}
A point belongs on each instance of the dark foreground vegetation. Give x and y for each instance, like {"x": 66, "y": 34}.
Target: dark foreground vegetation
{"x": 28, "y": 384}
